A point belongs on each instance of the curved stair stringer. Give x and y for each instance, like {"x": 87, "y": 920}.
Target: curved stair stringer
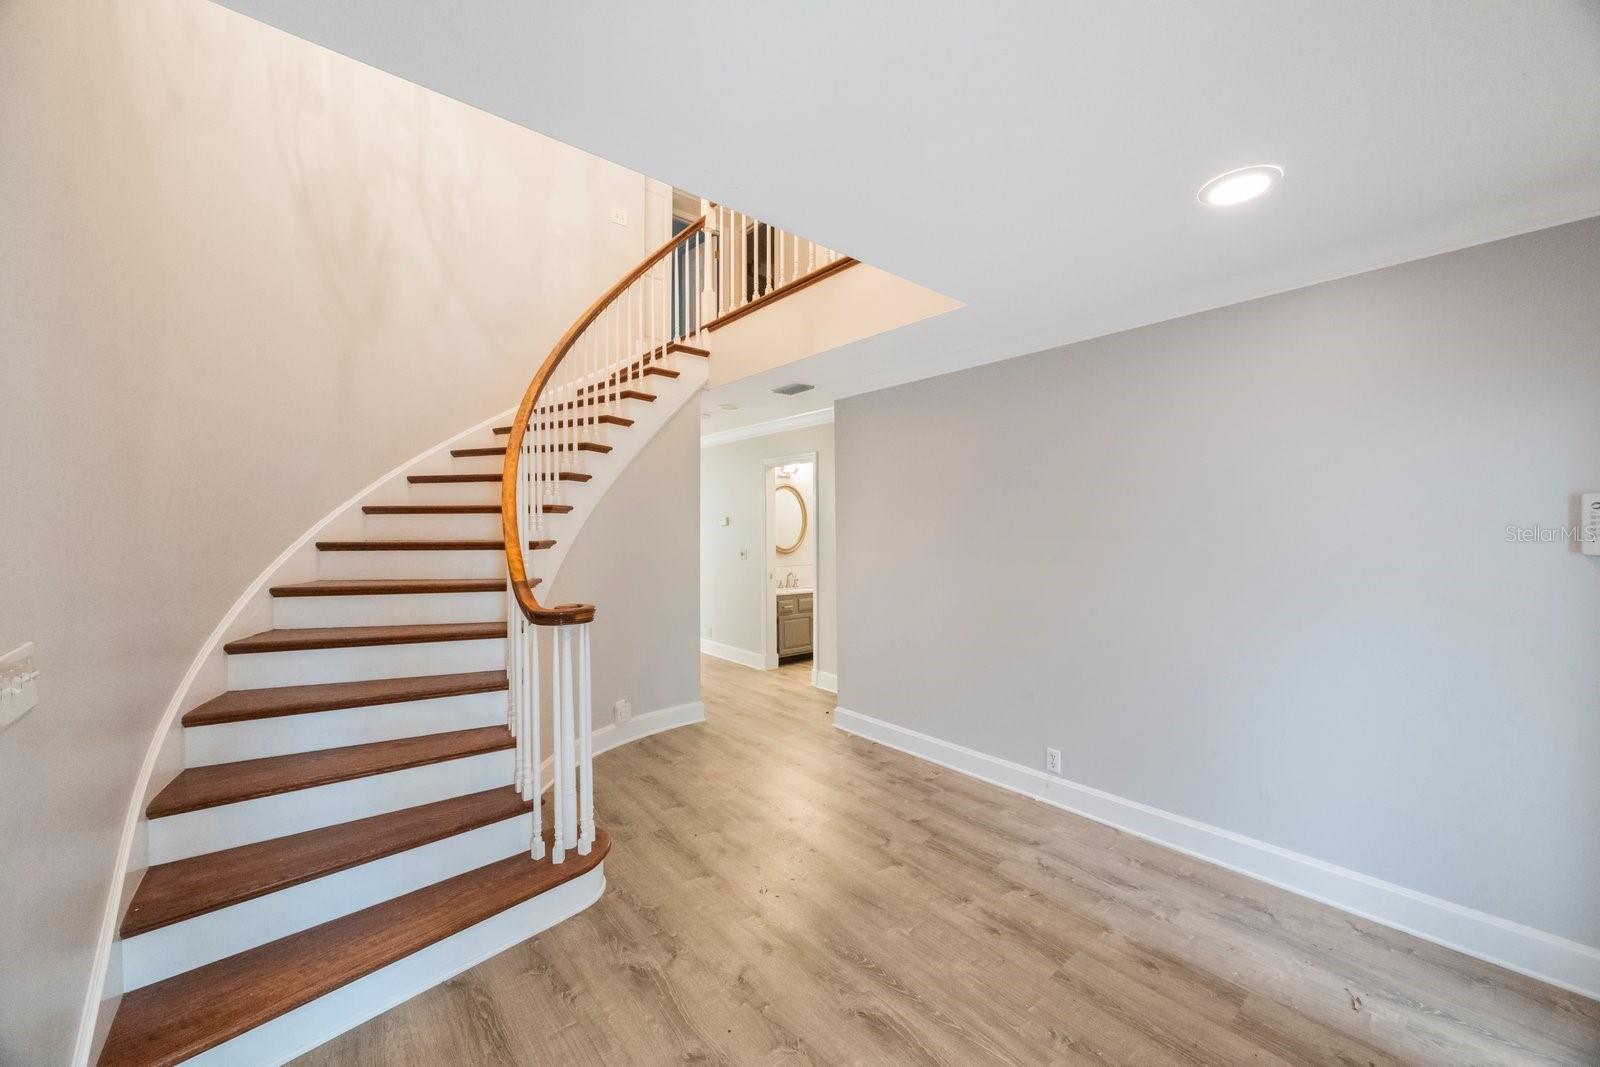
{"x": 424, "y": 500}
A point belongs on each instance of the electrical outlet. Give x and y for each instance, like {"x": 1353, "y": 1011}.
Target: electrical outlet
{"x": 744, "y": 553}
{"x": 1052, "y": 760}
{"x": 623, "y": 710}
{"x": 19, "y": 684}
{"x": 619, "y": 215}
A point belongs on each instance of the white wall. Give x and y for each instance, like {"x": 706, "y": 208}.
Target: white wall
{"x": 1250, "y": 567}
{"x": 858, "y": 302}
{"x": 731, "y": 590}
{"x": 802, "y": 562}
{"x": 240, "y": 277}
{"x": 631, "y": 562}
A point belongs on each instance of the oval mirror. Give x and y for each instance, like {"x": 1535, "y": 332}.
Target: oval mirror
{"x": 790, "y": 507}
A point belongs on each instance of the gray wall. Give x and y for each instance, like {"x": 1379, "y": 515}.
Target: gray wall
{"x": 631, "y": 562}
{"x": 730, "y": 588}
{"x": 240, "y": 277}
{"x": 1251, "y": 567}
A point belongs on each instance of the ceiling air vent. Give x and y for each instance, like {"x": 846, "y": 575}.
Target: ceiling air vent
{"x": 792, "y": 388}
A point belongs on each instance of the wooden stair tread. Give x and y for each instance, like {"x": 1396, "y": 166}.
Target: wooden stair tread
{"x": 476, "y": 545}
{"x": 173, "y": 892}
{"x": 596, "y": 398}
{"x": 387, "y": 586}
{"x": 446, "y": 479}
{"x": 196, "y": 788}
{"x": 424, "y": 479}
{"x": 311, "y": 637}
{"x": 608, "y": 420}
{"x": 169, "y": 1021}
{"x": 431, "y": 509}
{"x": 632, "y": 374}
{"x": 242, "y": 705}
{"x": 500, "y": 450}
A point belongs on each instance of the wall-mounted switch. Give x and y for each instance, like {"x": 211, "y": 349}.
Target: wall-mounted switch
{"x": 1589, "y": 523}
{"x": 744, "y": 553}
{"x": 19, "y": 684}
{"x": 726, "y": 520}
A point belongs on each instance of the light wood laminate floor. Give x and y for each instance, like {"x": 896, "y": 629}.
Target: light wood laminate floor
{"x": 782, "y": 892}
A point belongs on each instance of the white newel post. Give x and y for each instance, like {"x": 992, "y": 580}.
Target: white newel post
{"x": 568, "y": 759}
{"x": 585, "y": 743}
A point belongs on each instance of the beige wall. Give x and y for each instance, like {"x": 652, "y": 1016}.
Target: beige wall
{"x": 631, "y": 562}
{"x": 1251, "y": 567}
{"x": 240, "y": 277}
{"x": 731, "y": 589}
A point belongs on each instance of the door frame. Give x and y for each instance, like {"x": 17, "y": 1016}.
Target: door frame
{"x": 769, "y": 599}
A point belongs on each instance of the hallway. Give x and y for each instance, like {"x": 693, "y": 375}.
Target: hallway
{"x": 780, "y": 891}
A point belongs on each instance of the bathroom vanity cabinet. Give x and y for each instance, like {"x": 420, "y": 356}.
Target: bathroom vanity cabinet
{"x": 794, "y": 623}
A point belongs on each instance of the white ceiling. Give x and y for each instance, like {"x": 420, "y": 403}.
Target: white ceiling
{"x": 1039, "y": 161}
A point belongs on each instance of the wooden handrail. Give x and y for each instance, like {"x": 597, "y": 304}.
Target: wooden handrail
{"x": 786, "y": 289}
{"x": 559, "y": 614}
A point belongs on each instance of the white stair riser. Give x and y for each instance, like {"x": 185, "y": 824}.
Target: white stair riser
{"x": 312, "y": 1024}
{"x": 454, "y": 492}
{"x": 432, "y": 527}
{"x": 259, "y": 670}
{"x": 386, "y": 609}
{"x": 477, "y": 464}
{"x": 451, "y": 563}
{"x": 206, "y": 938}
{"x": 447, "y": 527}
{"x": 258, "y": 738}
{"x": 176, "y": 837}
{"x": 485, "y": 492}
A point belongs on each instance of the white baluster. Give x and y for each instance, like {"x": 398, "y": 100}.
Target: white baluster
{"x": 558, "y": 766}
{"x": 569, "y": 776}
{"x": 533, "y": 788}
{"x": 511, "y": 693}
{"x": 585, "y": 743}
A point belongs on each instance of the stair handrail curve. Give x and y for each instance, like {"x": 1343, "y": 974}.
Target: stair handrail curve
{"x": 711, "y": 273}
{"x": 516, "y": 567}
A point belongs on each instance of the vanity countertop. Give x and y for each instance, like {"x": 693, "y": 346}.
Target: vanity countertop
{"x": 795, "y": 592}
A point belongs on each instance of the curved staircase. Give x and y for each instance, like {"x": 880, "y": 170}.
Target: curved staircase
{"x": 355, "y": 818}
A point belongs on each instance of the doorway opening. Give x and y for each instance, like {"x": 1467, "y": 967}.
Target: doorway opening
{"x": 789, "y": 545}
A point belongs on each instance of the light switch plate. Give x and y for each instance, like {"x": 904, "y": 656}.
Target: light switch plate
{"x": 19, "y": 684}
{"x": 1589, "y": 524}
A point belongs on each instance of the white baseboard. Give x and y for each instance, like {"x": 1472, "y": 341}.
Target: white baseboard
{"x": 609, "y": 737}
{"x": 1536, "y": 953}
{"x": 743, "y": 657}
{"x": 825, "y": 680}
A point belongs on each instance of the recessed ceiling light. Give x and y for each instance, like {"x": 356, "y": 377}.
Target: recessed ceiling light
{"x": 1237, "y": 186}
{"x": 793, "y": 388}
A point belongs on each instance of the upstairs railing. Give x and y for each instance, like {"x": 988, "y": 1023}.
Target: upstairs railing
{"x": 717, "y": 269}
